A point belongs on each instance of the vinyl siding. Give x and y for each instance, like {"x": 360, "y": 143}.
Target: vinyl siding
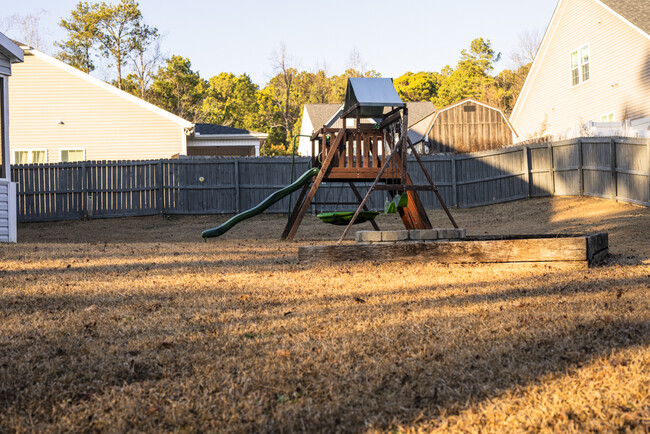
{"x": 105, "y": 125}
{"x": 619, "y": 56}
{"x": 4, "y": 211}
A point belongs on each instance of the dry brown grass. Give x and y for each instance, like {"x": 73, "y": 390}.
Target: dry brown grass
{"x": 134, "y": 324}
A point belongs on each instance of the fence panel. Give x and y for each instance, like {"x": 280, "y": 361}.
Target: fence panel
{"x": 48, "y": 192}
{"x": 566, "y": 168}
{"x": 597, "y": 167}
{"x": 260, "y": 177}
{"x": 201, "y": 186}
{"x": 491, "y": 177}
{"x": 121, "y": 188}
{"x": 605, "y": 167}
{"x": 540, "y": 171}
{"x": 440, "y": 170}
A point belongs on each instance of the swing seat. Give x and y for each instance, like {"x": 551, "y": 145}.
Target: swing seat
{"x": 342, "y": 218}
{"x": 399, "y": 201}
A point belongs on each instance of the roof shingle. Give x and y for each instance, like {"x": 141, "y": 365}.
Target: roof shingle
{"x": 212, "y": 129}
{"x": 635, "y": 11}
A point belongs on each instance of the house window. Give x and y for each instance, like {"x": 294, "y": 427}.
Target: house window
{"x": 72, "y": 155}
{"x": 608, "y": 117}
{"x": 580, "y": 65}
{"x": 30, "y": 156}
{"x": 21, "y": 157}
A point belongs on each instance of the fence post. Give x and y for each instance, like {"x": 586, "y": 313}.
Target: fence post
{"x": 84, "y": 192}
{"x": 159, "y": 191}
{"x": 551, "y": 169}
{"x": 454, "y": 182}
{"x": 647, "y": 147}
{"x": 237, "y": 192}
{"x": 527, "y": 173}
{"x": 612, "y": 160}
{"x": 581, "y": 179}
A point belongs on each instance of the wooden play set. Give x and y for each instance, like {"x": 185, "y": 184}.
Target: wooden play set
{"x": 373, "y": 152}
{"x": 368, "y": 143}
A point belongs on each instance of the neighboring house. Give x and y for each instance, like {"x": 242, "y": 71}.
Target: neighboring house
{"x": 591, "y": 74}
{"x": 61, "y": 114}
{"x": 465, "y": 126}
{"x": 209, "y": 139}
{"x": 10, "y": 53}
{"x": 315, "y": 116}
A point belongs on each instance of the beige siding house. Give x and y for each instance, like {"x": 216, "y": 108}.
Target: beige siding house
{"x": 10, "y": 54}
{"x": 62, "y": 114}
{"x": 591, "y": 75}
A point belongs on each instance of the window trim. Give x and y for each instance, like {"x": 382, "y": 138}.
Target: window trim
{"x": 581, "y": 79}
{"x": 30, "y": 155}
{"x": 607, "y": 115}
{"x": 71, "y": 149}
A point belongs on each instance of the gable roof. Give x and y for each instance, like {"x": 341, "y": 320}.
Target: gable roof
{"x": 625, "y": 10}
{"x": 10, "y": 50}
{"x": 322, "y": 114}
{"x": 105, "y": 86}
{"x": 221, "y": 130}
{"x": 372, "y": 95}
{"x": 420, "y": 130}
{"x": 319, "y": 114}
{"x": 419, "y": 110}
{"x": 636, "y": 12}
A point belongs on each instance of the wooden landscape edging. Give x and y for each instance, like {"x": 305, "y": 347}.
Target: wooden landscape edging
{"x": 589, "y": 249}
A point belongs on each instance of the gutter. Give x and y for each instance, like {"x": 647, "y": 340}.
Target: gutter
{"x": 231, "y": 136}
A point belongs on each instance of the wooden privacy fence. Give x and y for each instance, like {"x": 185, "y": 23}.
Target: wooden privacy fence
{"x": 614, "y": 168}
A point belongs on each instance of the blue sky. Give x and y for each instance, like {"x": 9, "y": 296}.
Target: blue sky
{"x": 391, "y": 36}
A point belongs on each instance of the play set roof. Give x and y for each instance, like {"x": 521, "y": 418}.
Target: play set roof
{"x": 372, "y": 95}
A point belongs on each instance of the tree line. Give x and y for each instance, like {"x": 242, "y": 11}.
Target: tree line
{"x": 118, "y": 34}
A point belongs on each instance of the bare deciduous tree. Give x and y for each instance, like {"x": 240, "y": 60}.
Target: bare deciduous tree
{"x": 282, "y": 84}
{"x": 25, "y": 28}
{"x": 146, "y": 55}
{"x": 528, "y": 42}
{"x": 356, "y": 62}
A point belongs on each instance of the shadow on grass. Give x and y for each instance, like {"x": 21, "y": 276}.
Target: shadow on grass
{"x": 338, "y": 373}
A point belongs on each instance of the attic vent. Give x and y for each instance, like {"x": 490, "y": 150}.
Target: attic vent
{"x": 469, "y": 108}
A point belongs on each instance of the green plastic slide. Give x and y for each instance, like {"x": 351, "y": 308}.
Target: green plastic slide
{"x": 266, "y": 203}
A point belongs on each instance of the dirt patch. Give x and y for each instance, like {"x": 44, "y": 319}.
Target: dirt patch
{"x": 135, "y": 324}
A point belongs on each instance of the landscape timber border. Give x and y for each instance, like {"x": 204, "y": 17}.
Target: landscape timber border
{"x": 580, "y": 249}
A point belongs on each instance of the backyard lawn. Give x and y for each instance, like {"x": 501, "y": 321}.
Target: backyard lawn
{"x": 136, "y": 324}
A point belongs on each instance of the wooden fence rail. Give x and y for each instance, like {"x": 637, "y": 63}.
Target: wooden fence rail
{"x": 614, "y": 168}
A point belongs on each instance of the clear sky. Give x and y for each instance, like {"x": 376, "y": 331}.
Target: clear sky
{"x": 391, "y": 36}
